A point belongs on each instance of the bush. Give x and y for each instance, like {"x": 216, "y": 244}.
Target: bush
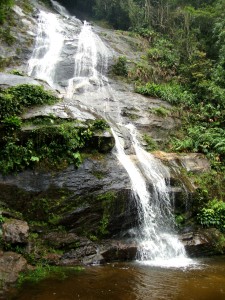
{"x": 210, "y": 141}
{"x": 5, "y": 6}
{"x": 213, "y": 215}
{"x": 172, "y": 93}
{"x": 120, "y": 67}
{"x": 14, "y": 99}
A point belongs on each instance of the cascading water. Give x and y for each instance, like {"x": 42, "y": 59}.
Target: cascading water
{"x": 49, "y": 43}
{"x": 148, "y": 176}
{"x": 90, "y": 67}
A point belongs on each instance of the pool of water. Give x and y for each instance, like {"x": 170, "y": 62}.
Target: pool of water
{"x": 203, "y": 280}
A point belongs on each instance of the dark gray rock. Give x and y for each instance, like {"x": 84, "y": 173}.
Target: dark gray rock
{"x": 89, "y": 253}
{"x": 118, "y": 250}
{"x": 78, "y": 197}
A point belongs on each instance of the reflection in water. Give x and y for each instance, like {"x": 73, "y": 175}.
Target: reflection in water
{"x": 132, "y": 281}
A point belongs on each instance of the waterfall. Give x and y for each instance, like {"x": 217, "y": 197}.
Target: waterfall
{"x": 91, "y": 53}
{"x": 49, "y": 43}
{"x": 149, "y": 178}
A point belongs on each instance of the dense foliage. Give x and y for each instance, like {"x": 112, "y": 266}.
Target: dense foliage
{"x": 15, "y": 99}
{"x": 5, "y": 6}
{"x": 213, "y": 215}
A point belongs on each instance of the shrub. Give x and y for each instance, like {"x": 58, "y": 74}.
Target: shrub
{"x": 5, "y": 6}
{"x": 213, "y": 215}
{"x": 120, "y": 67}
{"x": 151, "y": 145}
{"x": 160, "y": 111}
{"x": 14, "y": 99}
{"x": 172, "y": 93}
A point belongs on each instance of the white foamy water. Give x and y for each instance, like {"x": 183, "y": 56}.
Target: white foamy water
{"x": 48, "y": 46}
{"x": 90, "y": 63}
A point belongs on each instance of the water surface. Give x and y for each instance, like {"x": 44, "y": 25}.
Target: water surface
{"x": 129, "y": 281}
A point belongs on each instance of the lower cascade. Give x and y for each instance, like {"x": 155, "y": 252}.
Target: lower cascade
{"x": 154, "y": 233}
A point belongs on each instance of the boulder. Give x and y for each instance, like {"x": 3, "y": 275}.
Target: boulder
{"x": 15, "y": 231}
{"x": 118, "y": 251}
{"x": 11, "y": 264}
{"x": 85, "y": 253}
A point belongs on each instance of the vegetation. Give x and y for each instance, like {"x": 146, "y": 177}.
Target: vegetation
{"x": 120, "y": 67}
{"x": 5, "y": 6}
{"x": 15, "y": 99}
{"x": 51, "y": 144}
{"x": 213, "y": 215}
{"x": 45, "y": 271}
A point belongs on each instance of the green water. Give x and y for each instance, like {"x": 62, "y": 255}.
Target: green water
{"x": 129, "y": 281}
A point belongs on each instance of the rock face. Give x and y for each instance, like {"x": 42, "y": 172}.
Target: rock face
{"x": 15, "y": 231}
{"x": 11, "y": 264}
{"x": 88, "y": 253}
{"x": 78, "y": 198}
{"x": 191, "y": 162}
{"x": 23, "y": 33}
{"x": 203, "y": 242}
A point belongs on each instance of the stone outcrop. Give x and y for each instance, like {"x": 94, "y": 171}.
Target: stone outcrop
{"x": 89, "y": 253}
{"x": 203, "y": 242}
{"x": 15, "y": 231}
{"x": 191, "y": 162}
{"x": 8, "y": 80}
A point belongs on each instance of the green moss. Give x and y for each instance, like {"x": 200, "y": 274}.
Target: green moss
{"x": 160, "y": 111}
{"x": 99, "y": 174}
{"x": 42, "y": 272}
{"x": 107, "y": 199}
{"x": 151, "y": 145}
{"x": 15, "y": 99}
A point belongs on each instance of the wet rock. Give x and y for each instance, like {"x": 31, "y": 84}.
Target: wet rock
{"x": 90, "y": 253}
{"x": 118, "y": 251}
{"x": 78, "y": 197}
{"x": 11, "y": 264}
{"x": 8, "y": 80}
{"x": 60, "y": 111}
{"x": 15, "y": 231}
{"x": 85, "y": 253}
{"x": 203, "y": 242}
{"x": 96, "y": 259}
{"x": 62, "y": 240}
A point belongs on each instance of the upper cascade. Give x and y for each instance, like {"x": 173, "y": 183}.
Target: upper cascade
{"x": 60, "y": 9}
{"x": 48, "y": 47}
{"x": 84, "y": 79}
